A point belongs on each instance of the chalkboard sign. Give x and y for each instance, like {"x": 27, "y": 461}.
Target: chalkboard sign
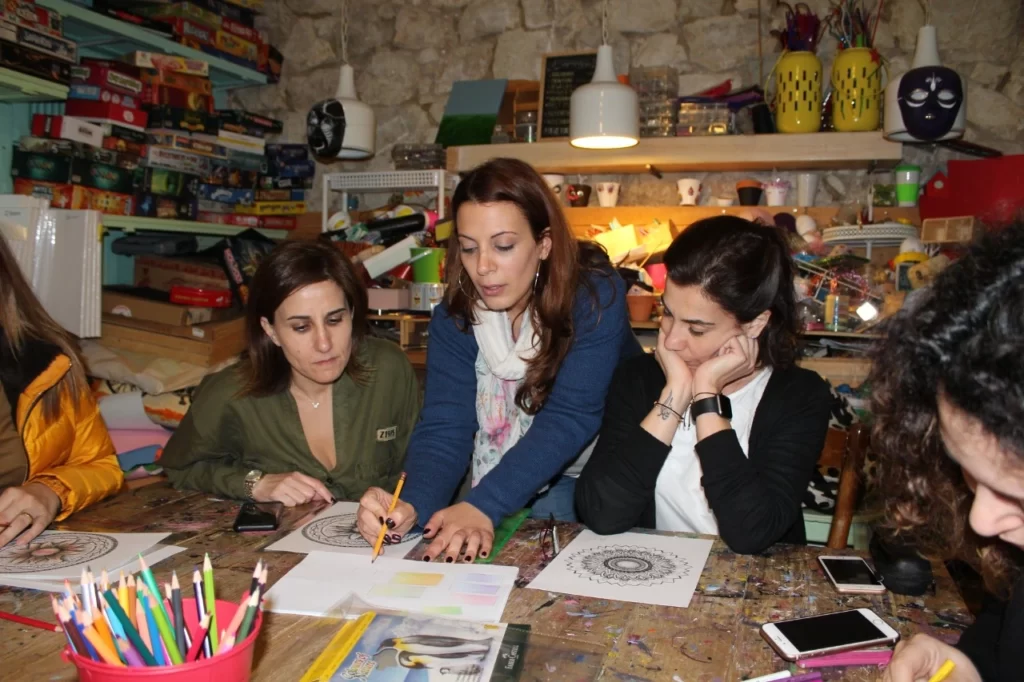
{"x": 562, "y": 73}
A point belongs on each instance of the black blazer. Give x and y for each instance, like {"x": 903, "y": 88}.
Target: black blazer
{"x": 993, "y": 642}
{"x": 755, "y": 499}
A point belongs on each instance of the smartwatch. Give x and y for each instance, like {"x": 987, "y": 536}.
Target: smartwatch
{"x": 719, "y": 404}
{"x": 251, "y": 479}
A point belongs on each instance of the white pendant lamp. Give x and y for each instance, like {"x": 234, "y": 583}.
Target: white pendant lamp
{"x": 604, "y": 114}
{"x": 343, "y": 127}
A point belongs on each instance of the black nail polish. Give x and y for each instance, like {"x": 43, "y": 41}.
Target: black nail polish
{"x": 396, "y": 538}
{"x": 381, "y": 519}
{"x": 483, "y": 554}
{"x": 426, "y": 558}
{"x": 449, "y": 560}
{"x": 468, "y": 558}
{"x": 426, "y": 531}
{"x": 387, "y": 540}
{"x": 390, "y": 523}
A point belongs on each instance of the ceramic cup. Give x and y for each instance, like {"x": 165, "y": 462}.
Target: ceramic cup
{"x": 578, "y": 195}
{"x": 908, "y": 183}
{"x": 608, "y": 194}
{"x": 806, "y": 188}
{"x": 749, "y": 192}
{"x": 689, "y": 191}
{"x": 723, "y": 201}
{"x": 555, "y": 182}
{"x": 775, "y": 192}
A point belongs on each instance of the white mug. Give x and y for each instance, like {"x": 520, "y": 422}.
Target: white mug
{"x": 555, "y": 182}
{"x": 607, "y": 194}
{"x": 775, "y": 193}
{"x": 689, "y": 191}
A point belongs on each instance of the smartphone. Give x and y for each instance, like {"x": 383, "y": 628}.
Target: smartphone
{"x": 258, "y": 516}
{"x": 828, "y": 634}
{"x": 851, "y": 575}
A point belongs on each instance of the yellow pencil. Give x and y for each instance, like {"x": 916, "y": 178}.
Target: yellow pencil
{"x": 383, "y": 526}
{"x": 943, "y": 672}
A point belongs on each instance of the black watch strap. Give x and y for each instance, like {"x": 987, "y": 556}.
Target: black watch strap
{"x": 719, "y": 404}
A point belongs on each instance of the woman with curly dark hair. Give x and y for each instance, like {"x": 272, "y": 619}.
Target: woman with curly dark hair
{"x": 949, "y": 407}
{"x": 718, "y": 432}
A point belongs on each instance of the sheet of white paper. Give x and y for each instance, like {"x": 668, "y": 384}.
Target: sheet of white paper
{"x": 56, "y": 555}
{"x": 334, "y": 530}
{"x": 634, "y": 567}
{"x": 319, "y": 584}
{"x": 153, "y": 557}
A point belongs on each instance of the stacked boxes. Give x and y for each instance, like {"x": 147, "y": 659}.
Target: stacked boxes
{"x": 32, "y": 41}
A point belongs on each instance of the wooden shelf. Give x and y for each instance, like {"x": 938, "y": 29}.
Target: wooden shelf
{"x": 134, "y": 223}
{"x": 580, "y": 219}
{"x": 814, "y": 151}
{"x": 16, "y": 88}
{"x": 101, "y": 36}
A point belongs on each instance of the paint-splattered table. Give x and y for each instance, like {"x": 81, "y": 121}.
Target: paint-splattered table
{"x": 716, "y": 638}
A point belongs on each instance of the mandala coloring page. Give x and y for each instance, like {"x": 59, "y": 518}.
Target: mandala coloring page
{"x": 49, "y": 552}
{"x": 334, "y": 530}
{"x": 618, "y": 565}
{"x": 634, "y": 567}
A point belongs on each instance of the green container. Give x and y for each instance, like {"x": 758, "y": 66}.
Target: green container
{"x": 908, "y": 184}
{"x": 427, "y": 265}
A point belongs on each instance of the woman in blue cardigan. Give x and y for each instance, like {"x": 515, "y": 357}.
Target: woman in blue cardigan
{"x": 520, "y": 357}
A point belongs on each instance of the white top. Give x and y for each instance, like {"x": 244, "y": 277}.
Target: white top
{"x": 679, "y": 501}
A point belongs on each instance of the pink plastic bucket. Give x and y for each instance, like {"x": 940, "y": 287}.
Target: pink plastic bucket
{"x": 234, "y": 666}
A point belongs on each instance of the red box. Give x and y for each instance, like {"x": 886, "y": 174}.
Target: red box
{"x": 163, "y": 95}
{"x": 60, "y": 195}
{"x": 278, "y": 222}
{"x": 253, "y": 35}
{"x": 66, "y": 128}
{"x": 114, "y": 113}
{"x": 110, "y": 202}
{"x": 27, "y": 13}
{"x": 107, "y": 77}
{"x": 229, "y": 219}
{"x": 185, "y": 28}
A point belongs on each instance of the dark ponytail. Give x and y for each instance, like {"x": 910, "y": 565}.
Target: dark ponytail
{"x": 745, "y": 268}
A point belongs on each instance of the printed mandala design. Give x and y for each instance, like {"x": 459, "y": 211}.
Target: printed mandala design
{"x": 341, "y": 531}
{"x": 55, "y": 550}
{"x": 628, "y": 566}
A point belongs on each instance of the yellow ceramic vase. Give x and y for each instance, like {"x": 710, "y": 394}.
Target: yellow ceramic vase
{"x": 857, "y": 90}
{"x": 798, "y": 82}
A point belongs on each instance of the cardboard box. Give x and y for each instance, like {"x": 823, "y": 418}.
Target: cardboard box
{"x": 150, "y": 305}
{"x": 169, "y": 183}
{"x": 388, "y": 299}
{"x": 43, "y": 167}
{"x": 205, "y": 345}
{"x": 226, "y": 195}
{"x": 60, "y": 195}
{"x": 171, "y": 208}
{"x": 111, "y": 75}
{"x": 166, "y": 62}
{"x": 173, "y": 139}
{"x": 27, "y": 13}
{"x": 181, "y": 81}
{"x": 108, "y": 112}
{"x": 229, "y": 219}
{"x": 36, "y": 39}
{"x": 103, "y": 177}
{"x": 273, "y": 208}
{"x": 160, "y": 273}
{"x": 96, "y": 93}
{"x": 25, "y": 60}
{"x": 111, "y": 203}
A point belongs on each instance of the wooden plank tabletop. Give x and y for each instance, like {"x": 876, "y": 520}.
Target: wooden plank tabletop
{"x": 573, "y": 638}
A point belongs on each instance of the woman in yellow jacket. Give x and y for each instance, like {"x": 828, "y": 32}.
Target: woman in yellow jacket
{"x": 55, "y": 453}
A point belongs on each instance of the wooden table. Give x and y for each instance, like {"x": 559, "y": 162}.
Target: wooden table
{"x": 573, "y": 638}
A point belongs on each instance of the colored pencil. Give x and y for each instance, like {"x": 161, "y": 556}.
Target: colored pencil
{"x": 198, "y": 639}
{"x": 384, "y": 526}
{"x": 236, "y": 619}
{"x": 70, "y": 630}
{"x": 85, "y": 590}
{"x": 115, "y": 626}
{"x": 147, "y": 638}
{"x": 154, "y": 589}
{"x": 179, "y": 615}
{"x": 130, "y": 655}
{"x": 104, "y": 581}
{"x": 163, "y": 625}
{"x": 250, "y": 613}
{"x": 31, "y": 622}
{"x": 210, "y": 601}
{"x": 256, "y": 576}
{"x": 122, "y": 593}
{"x": 103, "y": 648}
{"x": 130, "y": 633}
{"x": 132, "y": 600}
{"x": 226, "y": 645}
{"x": 76, "y": 620}
{"x": 944, "y": 671}
{"x": 197, "y": 589}
{"x": 151, "y": 627}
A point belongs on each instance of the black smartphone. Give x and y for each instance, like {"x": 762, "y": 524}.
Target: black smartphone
{"x": 258, "y": 516}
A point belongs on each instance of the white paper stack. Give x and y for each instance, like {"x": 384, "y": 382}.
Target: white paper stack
{"x": 20, "y": 218}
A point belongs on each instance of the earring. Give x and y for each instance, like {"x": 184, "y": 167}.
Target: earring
{"x": 536, "y": 276}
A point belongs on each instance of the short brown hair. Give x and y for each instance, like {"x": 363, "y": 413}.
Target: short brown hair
{"x": 291, "y": 266}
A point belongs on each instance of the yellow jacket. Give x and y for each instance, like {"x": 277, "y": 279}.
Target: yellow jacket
{"x": 72, "y": 455}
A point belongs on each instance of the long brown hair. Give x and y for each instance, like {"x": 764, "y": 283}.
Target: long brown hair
{"x": 558, "y": 279}
{"x": 289, "y": 267}
{"x": 24, "y": 320}
{"x": 963, "y": 339}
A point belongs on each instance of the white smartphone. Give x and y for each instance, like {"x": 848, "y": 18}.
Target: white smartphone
{"x": 851, "y": 575}
{"x": 828, "y": 634}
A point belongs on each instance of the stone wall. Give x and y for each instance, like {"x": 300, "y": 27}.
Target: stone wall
{"x": 407, "y": 54}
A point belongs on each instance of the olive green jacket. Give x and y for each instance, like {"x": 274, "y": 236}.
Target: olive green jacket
{"x": 224, "y": 436}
